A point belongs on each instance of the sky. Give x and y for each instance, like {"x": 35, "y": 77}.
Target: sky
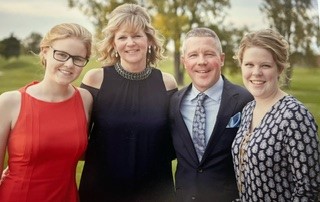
{"x": 22, "y": 17}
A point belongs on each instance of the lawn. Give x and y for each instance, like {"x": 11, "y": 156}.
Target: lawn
{"x": 15, "y": 73}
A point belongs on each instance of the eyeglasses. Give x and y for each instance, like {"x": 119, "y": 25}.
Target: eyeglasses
{"x": 62, "y": 56}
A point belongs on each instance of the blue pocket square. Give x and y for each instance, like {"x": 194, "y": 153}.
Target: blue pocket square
{"x": 235, "y": 121}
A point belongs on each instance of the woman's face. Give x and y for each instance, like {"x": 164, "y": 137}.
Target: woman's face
{"x": 132, "y": 47}
{"x": 259, "y": 72}
{"x": 60, "y": 67}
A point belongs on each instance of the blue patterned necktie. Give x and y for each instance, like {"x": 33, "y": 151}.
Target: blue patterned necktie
{"x": 199, "y": 126}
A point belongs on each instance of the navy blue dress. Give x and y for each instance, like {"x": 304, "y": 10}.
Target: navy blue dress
{"x": 130, "y": 149}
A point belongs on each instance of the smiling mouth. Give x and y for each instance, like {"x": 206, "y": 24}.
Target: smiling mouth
{"x": 257, "y": 82}
{"x": 202, "y": 71}
{"x": 65, "y": 72}
{"x": 132, "y": 51}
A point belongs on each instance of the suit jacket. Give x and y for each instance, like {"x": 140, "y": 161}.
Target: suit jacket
{"x": 212, "y": 179}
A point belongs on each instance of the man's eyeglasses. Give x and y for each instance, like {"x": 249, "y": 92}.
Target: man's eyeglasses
{"x": 62, "y": 56}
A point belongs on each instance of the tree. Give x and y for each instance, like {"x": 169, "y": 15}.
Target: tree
{"x": 297, "y": 22}
{"x": 97, "y": 11}
{"x": 10, "y": 47}
{"x": 172, "y": 18}
{"x": 32, "y": 42}
{"x": 179, "y": 16}
{"x": 230, "y": 38}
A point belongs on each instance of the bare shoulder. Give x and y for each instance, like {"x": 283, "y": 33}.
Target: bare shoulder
{"x": 87, "y": 101}
{"x": 93, "y": 78}
{"x": 86, "y": 96}
{"x": 169, "y": 81}
{"x": 85, "y": 93}
{"x": 10, "y": 103}
{"x": 10, "y": 99}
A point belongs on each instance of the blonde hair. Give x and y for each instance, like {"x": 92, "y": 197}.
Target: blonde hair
{"x": 64, "y": 31}
{"x": 135, "y": 18}
{"x": 267, "y": 39}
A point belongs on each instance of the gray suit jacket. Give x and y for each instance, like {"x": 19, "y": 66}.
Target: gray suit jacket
{"x": 213, "y": 178}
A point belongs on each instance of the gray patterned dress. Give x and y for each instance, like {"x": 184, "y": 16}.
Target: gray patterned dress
{"x": 279, "y": 160}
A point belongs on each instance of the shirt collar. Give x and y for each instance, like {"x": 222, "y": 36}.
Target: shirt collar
{"x": 214, "y": 92}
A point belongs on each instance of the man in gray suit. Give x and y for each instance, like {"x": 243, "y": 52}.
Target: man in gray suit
{"x": 203, "y": 140}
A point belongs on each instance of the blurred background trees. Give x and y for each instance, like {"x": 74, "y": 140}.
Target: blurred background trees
{"x": 296, "y": 20}
{"x": 12, "y": 47}
{"x": 173, "y": 18}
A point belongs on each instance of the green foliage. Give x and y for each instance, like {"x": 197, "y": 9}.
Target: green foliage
{"x": 178, "y": 17}
{"x": 10, "y": 47}
{"x": 295, "y": 20}
{"x": 15, "y": 73}
{"x": 97, "y": 11}
{"x": 171, "y": 18}
{"x": 32, "y": 43}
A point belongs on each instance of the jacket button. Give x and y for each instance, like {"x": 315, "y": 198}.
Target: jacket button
{"x": 193, "y": 198}
{"x": 200, "y": 170}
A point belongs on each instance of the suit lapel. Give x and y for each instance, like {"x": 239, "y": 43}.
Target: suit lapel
{"x": 184, "y": 133}
{"x": 226, "y": 110}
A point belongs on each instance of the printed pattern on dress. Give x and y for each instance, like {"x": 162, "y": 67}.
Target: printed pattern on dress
{"x": 280, "y": 161}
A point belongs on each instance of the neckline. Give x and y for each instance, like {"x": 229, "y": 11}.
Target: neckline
{"x": 276, "y": 104}
{"x": 131, "y": 75}
{"x": 24, "y": 90}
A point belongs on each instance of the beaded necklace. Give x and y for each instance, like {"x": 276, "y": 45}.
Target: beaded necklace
{"x": 133, "y": 76}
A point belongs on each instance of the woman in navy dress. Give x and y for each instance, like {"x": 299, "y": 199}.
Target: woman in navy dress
{"x": 130, "y": 149}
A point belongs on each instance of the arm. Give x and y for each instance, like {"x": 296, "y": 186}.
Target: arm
{"x": 9, "y": 110}
{"x": 171, "y": 87}
{"x": 90, "y": 86}
{"x": 304, "y": 155}
{"x": 87, "y": 102}
{"x": 87, "y": 105}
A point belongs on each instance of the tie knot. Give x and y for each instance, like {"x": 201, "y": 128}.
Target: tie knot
{"x": 201, "y": 97}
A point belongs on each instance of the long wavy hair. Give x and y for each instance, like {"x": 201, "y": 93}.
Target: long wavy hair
{"x": 135, "y": 18}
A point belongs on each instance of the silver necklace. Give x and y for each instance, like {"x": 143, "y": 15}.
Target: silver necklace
{"x": 133, "y": 76}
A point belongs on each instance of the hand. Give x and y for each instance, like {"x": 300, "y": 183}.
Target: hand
{"x": 5, "y": 173}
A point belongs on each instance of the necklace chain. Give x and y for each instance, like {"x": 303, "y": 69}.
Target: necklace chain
{"x": 243, "y": 157}
{"x": 133, "y": 76}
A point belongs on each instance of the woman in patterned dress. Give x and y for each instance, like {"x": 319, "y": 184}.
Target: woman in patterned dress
{"x": 276, "y": 151}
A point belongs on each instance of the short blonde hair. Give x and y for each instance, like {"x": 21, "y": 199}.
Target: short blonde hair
{"x": 267, "y": 39}
{"x": 135, "y": 18}
{"x": 64, "y": 31}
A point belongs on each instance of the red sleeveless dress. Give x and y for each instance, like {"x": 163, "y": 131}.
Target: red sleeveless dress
{"x": 44, "y": 148}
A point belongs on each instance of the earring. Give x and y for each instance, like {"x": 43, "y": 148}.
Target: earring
{"x": 149, "y": 49}
{"x": 117, "y": 54}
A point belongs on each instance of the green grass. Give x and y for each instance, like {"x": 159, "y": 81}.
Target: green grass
{"x": 15, "y": 73}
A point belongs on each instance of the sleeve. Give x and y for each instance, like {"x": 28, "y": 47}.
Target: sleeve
{"x": 304, "y": 154}
{"x": 92, "y": 90}
{"x": 171, "y": 92}
{"x": 94, "y": 93}
{"x": 171, "y": 151}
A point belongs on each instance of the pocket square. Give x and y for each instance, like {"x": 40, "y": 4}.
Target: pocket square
{"x": 235, "y": 121}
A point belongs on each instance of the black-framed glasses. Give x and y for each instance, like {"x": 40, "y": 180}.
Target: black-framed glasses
{"x": 62, "y": 56}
